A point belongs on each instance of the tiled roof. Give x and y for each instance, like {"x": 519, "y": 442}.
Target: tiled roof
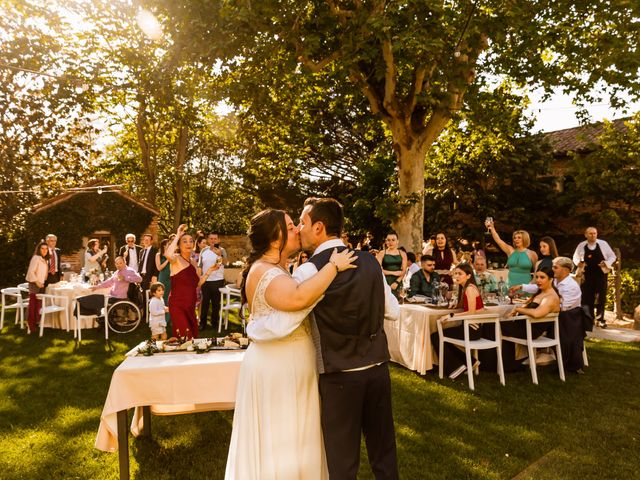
{"x": 579, "y": 139}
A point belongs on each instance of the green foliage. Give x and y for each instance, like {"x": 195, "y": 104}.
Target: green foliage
{"x": 82, "y": 214}
{"x": 629, "y": 290}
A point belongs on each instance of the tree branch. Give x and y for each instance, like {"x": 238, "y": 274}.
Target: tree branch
{"x": 419, "y": 74}
{"x": 390, "y": 79}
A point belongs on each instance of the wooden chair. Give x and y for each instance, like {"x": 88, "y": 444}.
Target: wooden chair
{"x": 49, "y": 305}
{"x": 540, "y": 342}
{"x": 472, "y": 345}
{"x": 12, "y": 300}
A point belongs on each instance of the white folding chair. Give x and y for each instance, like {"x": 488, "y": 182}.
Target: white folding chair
{"x": 227, "y": 304}
{"x": 472, "y": 345}
{"x": 49, "y": 305}
{"x": 12, "y": 300}
{"x": 77, "y": 333}
{"x": 540, "y": 342}
{"x": 146, "y": 304}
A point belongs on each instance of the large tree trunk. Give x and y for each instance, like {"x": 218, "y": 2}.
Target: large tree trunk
{"x": 181, "y": 158}
{"x": 408, "y": 225}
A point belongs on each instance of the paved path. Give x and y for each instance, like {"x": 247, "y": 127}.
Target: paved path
{"x": 617, "y": 334}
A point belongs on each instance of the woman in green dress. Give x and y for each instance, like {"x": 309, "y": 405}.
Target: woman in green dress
{"x": 164, "y": 276}
{"x": 520, "y": 259}
{"x": 393, "y": 262}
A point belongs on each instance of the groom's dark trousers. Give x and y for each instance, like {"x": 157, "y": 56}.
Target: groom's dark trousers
{"x": 354, "y": 375}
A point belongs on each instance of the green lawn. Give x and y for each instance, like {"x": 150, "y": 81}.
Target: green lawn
{"x": 51, "y": 396}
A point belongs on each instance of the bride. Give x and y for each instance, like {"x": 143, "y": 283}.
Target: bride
{"x": 276, "y": 425}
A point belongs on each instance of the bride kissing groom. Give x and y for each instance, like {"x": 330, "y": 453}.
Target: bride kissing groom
{"x": 327, "y": 321}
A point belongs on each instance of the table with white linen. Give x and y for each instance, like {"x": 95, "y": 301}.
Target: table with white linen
{"x": 71, "y": 290}
{"x": 409, "y": 338}
{"x": 500, "y": 274}
{"x": 169, "y": 383}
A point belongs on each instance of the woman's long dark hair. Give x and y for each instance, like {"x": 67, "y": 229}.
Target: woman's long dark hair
{"x": 37, "y": 250}
{"x": 468, "y": 269}
{"x": 548, "y": 271}
{"x": 553, "y": 250}
{"x": 267, "y": 226}
{"x": 445, "y": 260}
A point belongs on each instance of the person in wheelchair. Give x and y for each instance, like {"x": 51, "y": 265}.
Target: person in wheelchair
{"x": 119, "y": 283}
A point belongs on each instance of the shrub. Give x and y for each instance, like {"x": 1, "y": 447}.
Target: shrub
{"x": 630, "y": 290}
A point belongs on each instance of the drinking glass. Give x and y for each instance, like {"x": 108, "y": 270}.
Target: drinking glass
{"x": 402, "y": 293}
{"x": 487, "y": 222}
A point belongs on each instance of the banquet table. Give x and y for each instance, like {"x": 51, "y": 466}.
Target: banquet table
{"x": 500, "y": 274}
{"x": 71, "y": 290}
{"x": 164, "y": 384}
{"x": 409, "y": 338}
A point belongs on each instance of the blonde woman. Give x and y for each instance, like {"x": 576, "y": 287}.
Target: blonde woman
{"x": 520, "y": 259}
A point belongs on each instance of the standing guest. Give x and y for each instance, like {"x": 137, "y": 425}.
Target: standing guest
{"x": 345, "y": 239}
{"x": 483, "y": 277}
{"x": 520, "y": 259}
{"x": 201, "y": 245}
{"x": 365, "y": 244}
{"x": 94, "y": 257}
{"x": 303, "y": 257}
{"x": 571, "y": 326}
{"x": 478, "y": 251}
{"x": 428, "y": 246}
{"x": 470, "y": 301}
{"x": 595, "y": 259}
{"x": 548, "y": 251}
{"x": 214, "y": 281}
{"x": 53, "y": 275}
{"x": 147, "y": 266}
{"x": 130, "y": 252}
{"x": 445, "y": 258}
{"x": 37, "y": 278}
{"x": 393, "y": 262}
{"x": 157, "y": 311}
{"x": 184, "y": 281}
{"x": 425, "y": 281}
{"x": 164, "y": 272}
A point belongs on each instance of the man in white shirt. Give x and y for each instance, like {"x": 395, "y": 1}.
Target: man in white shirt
{"x": 412, "y": 267}
{"x": 594, "y": 258}
{"x": 211, "y": 259}
{"x": 571, "y": 314}
{"x": 130, "y": 252}
{"x": 351, "y": 348}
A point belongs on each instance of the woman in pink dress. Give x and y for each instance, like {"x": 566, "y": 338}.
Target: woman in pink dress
{"x": 184, "y": 282}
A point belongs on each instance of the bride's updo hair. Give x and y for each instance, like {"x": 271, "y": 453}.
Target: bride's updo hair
{"x": 266, "y": 227}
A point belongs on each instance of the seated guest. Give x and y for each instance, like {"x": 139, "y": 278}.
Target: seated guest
{"x": 548, "y": 251}
{"x": 412, "y": 267}
{"x": 483, "y": 277}
{"x": 572, "y": 331}
{"x": 470, "y": 301}
{"x": 545, "y": 300}
{"x": 424, "y": 281}
{"x": 119, "y": 283}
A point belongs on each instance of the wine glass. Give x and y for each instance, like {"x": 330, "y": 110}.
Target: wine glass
{"x": 402, "y": 293}
{"x": 487, "y": 223}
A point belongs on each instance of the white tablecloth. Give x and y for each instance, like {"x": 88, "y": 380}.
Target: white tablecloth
{"x": 500, "y": 274}
{"x": 170, "y": 383}
{"x": 71, "y": 290}
{"x": 409, "y": 338}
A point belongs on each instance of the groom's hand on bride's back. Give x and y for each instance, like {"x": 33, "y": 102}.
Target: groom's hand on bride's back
{"x": 343, "y": 260}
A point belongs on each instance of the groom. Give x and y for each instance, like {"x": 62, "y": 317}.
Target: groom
{"x": 351, "y": 349}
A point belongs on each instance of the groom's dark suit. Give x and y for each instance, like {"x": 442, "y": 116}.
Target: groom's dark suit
{"x": 352, "y": 359}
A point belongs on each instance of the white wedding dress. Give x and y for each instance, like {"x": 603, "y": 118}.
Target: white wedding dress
{"x": 276, "y": 424}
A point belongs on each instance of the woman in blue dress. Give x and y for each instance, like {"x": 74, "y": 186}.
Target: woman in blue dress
{"x": 520, "y": 259}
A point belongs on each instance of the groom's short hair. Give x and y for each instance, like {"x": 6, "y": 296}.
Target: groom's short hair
{"x": 329, "y": 212}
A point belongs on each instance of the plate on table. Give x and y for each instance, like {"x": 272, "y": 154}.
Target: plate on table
{"x": 417, "y": 299}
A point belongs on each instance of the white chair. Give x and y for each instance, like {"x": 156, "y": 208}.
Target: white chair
{"x": 472, "y": 345}
{"x": 540, "y": 342}
{"x": 146, "y": 304}
{"x": 585, "y": 360}
{"x": 49, "y": 305}
{"x": 12, "y": 300}
{"x": 77, "y": 333}
{"x": 228, "y": 296}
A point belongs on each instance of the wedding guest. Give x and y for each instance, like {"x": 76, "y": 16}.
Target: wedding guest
{"x": 130, "y": 252}
{"x": 548, "y": 251}
{"x": 303, "y": 257}
{"x": 393, "y": 262}
{"x": 595, "y": 258}
{"x": 445, "y": 258}
{"x": 184, "y": 281}
{"x": 54, "y": 270}
{"x": 365, "y": 244}
{"x": 572, "y": 330}
{"x": 345, "y": 239}
{"x": 157, "y": 311}
{"x": 95, "y": 258}
{"x": 520, "y": 260}
{"x": 425, "y": 281}
{"x": 37, "y": 278}
{"x": 470, "y": 301}
{"x": 211, "y": 286}
{"x": 545, "y": 300}
{"x": 483, "y": 277}
{"x": 147, "y": 266}
{"x": 412, "y": 267}
{"x": 201, "y": 245}
{"x": 162, "y": 265}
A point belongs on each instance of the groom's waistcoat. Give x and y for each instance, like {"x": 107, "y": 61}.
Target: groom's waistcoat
{"x": 350, "y": 318}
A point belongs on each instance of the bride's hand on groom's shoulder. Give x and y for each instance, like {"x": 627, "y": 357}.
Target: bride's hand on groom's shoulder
{"x": 343, "y": 260}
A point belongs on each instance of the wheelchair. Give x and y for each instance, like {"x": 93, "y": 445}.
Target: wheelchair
{"x": 123, "y": 316}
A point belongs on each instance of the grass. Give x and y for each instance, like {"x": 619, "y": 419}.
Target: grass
{"x": 52, "y": 393}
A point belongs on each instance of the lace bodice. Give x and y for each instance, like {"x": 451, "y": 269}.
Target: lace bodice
{"x": 266, "y": 323}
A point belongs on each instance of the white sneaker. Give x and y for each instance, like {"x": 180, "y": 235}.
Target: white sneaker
{"x": 457, "y": 372}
